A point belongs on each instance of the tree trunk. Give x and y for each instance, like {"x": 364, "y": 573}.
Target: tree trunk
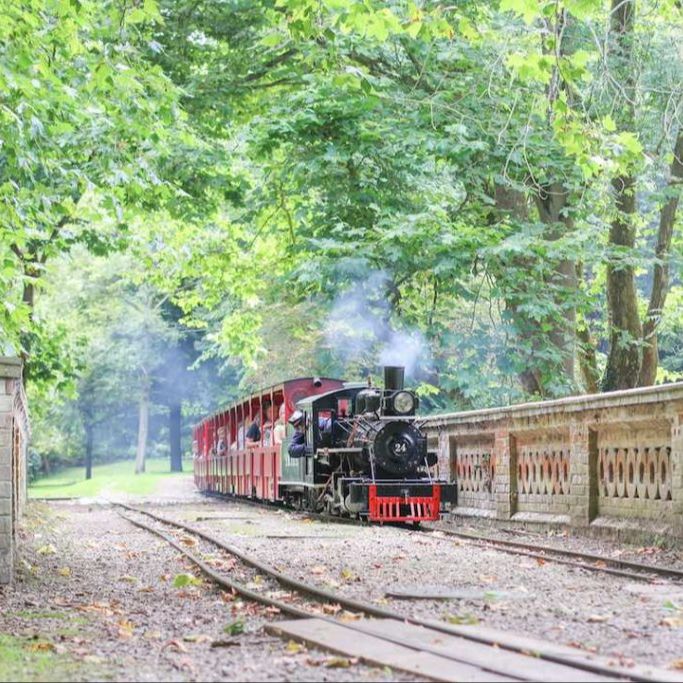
{"x": 552, "y": 201}
{"x": 88, "y": 449}
{"x": 512, "y": 202}
{"x": 624, "y": 358}
{"x": 660, "y": 282}
{"x": 143, "y": 427}
{"x": 174, "y": 424}
{"x": 623, "y": 361}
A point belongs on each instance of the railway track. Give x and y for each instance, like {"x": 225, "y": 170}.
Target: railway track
{"x": 427, "y": 648}
{"x": 636, "y": 571}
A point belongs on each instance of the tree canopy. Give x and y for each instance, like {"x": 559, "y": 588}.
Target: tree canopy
{"x": 485, "y": 191}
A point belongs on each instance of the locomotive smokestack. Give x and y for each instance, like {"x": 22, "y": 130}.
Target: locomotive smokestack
{"x": 393, "y": 377}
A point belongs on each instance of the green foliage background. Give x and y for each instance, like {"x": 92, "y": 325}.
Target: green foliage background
{"x": 220, "y": 195}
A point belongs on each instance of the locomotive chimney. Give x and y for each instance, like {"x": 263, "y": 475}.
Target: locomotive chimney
{"x": 393, "y": 377}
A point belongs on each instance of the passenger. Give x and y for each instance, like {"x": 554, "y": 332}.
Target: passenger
{"x": 222, "y": 447}
{"x": 280, "y": 431}
{"x": 298, "y": 448}
{"x": 268, "y": 424}
{"x": 253, "y": 435}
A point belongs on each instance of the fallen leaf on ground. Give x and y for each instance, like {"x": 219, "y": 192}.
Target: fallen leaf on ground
{"x": 126, "y": 629}
{"x": 672, "y": 622}
{"x": 540, "y": 561}
{"x": 182, "y": 580}
{"x": 460, "y": 619}
{"x": 128, "y": 579}
{"x": 152, "y": 635}
{"x": 226, "y": 643}
{"x": 64, "y": 571}
{"x": 331, "y": 608}
{"x": 338, "y": 662}
{"x": 676, "y": 664}
{"x": 318, "y": 569}
{"x": 48, "y": 549}
{"x": 228, "y": 597}
{"x": 42, "y": 646}
{"x": 597, "y": 618}
{"x": 175, "y": 646}
{"x": 294, "y": 648}
{"x": 348, "y": 575}
{"x": 350, "y": 616}
{"x": 188, "y": 541}
{"x": 197, "y": 638}
{"x": 235, "y": 628}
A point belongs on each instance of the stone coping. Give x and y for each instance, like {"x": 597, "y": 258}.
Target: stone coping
{"x": 570, "y": 404}
{"x": 10, "y": 367}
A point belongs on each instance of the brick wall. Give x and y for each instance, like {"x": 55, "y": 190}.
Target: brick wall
{"x": 14, "y": 434}
{"x": 584, "y": 461}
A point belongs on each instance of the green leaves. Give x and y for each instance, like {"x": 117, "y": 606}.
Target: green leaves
{"x": 531, "y": 67}
{"x": 527, "y": 9}
{"x": 183, "y": 580}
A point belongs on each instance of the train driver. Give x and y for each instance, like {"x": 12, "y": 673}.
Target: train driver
{"x": 297, "y": 448}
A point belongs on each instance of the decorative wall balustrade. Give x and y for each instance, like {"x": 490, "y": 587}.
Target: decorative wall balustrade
{"x": 585, "y": 458}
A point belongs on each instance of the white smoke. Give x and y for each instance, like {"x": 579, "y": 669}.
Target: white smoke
{"x": 359, "y": 329}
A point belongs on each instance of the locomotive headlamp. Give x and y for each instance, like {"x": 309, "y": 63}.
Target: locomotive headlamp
{"x": 403, "y": 403}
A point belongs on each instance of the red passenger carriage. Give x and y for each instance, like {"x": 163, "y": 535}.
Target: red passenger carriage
{"x": 225, "y": 463}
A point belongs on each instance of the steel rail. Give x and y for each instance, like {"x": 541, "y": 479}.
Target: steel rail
{"x": 538, "y": 551}
{"x": 554, "y": 654}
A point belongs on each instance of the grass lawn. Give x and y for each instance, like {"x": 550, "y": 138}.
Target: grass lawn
{"x": 115, "y": 477}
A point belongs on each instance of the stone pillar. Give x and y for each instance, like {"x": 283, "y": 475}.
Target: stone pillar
{"x": 505, "y": 453}
{"x": 677, "y": 465}
{"x": 583, "y": 473}
{"x": 10, "y": 374}
{"x": 444, "y": 456}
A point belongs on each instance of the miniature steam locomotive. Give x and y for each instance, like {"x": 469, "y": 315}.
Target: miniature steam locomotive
{"x": 366, "y": 455}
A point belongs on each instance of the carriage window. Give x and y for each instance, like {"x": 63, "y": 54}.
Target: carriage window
{"x": 343, "y": 407}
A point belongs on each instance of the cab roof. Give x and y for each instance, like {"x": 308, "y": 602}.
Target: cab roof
{"x": 348, "y": 386}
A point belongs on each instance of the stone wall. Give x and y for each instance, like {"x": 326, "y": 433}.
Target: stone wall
{"x": 613, "y": 459}
{"x": 14, "y": 435}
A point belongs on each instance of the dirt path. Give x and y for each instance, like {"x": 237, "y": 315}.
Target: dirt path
{"x": 95, "y": 599}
